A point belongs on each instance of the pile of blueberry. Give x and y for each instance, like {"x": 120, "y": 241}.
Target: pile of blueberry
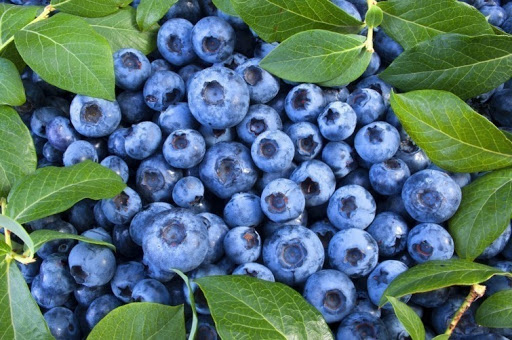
{"x": 233, "y": 171}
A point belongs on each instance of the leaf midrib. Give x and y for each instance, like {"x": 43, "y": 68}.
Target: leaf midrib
{"x": 105, "y": 90}
{"x": 27, "y": 208}
{"x": 341, "y": 52}
{"x": 457, "y": 140}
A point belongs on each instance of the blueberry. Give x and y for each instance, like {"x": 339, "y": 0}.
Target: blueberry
{"x": 34, "y": 98}
{"x": 79, "y": 151}
{"x": 150, "y": 290}
{"x": 100, "y": 217}
{"x": 235, "y": 60}
{"x": 55, "y": 276}
{"x": 187, "y": 9}
{"x": 364, "y": 305}
{"x": 387, "y": 48}
{"x": 412, "y": 155}
{"x": 243, "y": 209}
{"x": 351, "y": 206}
{"x": 242, "y": 245}
{"x": 58, "y": 246}
{"x": 99, "y": 234}
{"x": 377, "y": 142}
{"x": 374, "y": 65}
{"x": 256, "y": 270}
{"x": 325, "y": 231}
{"x": 174, "y": 41}
{"x": 133, "y": 107}
{"x": 41, "y": 118}
{"x": 367, "y": 104}
{"x": 227, "y": 168}
{"x": 132, "y": 68}
{"x": 332, "y": 293}
{"x": 337, "y": 122}
{"x": 162, "y": 89}
{"x": 213, "y": 39}
{"x": 188, "y": 72}
{"x": 214, "y": 136}
{"x": 316, "y": 182}
{"x": 380, "y": 278}
{"x": 501, "y": 108}
{"x": 376, "y": 84}
{"x": 176, "y": 117}
{"x": 429, "y": 241}
{"x": 431, "y": 299}
{"x": 184, "y": 149}
{"x": 293, "y": 253}
{"x": 390, "y": 231}
{"x": 259, "y": 119}
{"x": 263, "y": 86}
{"x": 117, "y": 165}
{"x": 268, "y": 177}
{"x": 86, "y": 295}
{"x": 362, "y": 325}
{"x": 61, "y": 133}
{"x": 306, "y": 139}
{"x": 304, "y": 103}
{"x": 431, "y": 196}
{"x": 160, "y": 65}
{"x": 52, "y": 154}
{"x": 388, "y": 177}
{"x": 188, "y": 192}
{"x": 499, "y": 283}
{"x": 46, "y": 298}
{"x": 94, "y": 117}
{"x": 282, "y": 200}
{"x": 142, "y": 220}
{"x": 175, "y": 239}
{"x": 263, "y": 48}
{"x": 218, "y": 97}
{"x": 462, "y": 179}
{"x": 497, "y": 245}
{"x": 348, "y": 7}
{"x": 217, "y": 230}
{"x": 272, "y": 151}
{"x": 123, "y": 242}
{"x": 495, "y": 14}
{"x": 116, "y": 143}
{"x": 155, "y": 179}
{"x": 340, "y": 157}
{"x": 91, "y": 265}
{"x": 62, "y": 324}
{"x": 353, "y": 251}
{"x": 121, "y": 208}
{"x": 29, "y": 270}
{"x": 99, "y": 308}
{"x": 126, "y": 277}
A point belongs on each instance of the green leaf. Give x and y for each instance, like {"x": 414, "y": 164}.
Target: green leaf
{"x": 42, "y": 236}
{"x": 66, "y": 52}
{"x": 225, "y": 6}
{"x": 20, "y": 317}
{"x": 150, "y": 11}
{"x": 192, "y": 303}
{"x": 121, "y": 31}
{"x": 89, "y": 8}
{"x": 442, "y": 337}
{"x": 313, "y": 56}
{"x": 433, "y": 275}
{"x": 16, "y": 228}
{"x": 411, "y": 22}
{"x": 51, "y": 190}
{"x": 356, "y": 69}
{"x": 496, "y": 311}
{"x": 276, "y": 20}
{"x": 409, "y": 319}
{"x": 4, "y": 249}
{"x": 484, "y": 213}
{"x": 141, "y": 320}
{"x": 11, "y": 87}
{"x": 453, "y": 136}
{"x": 12, "y": 19}
{"x": 18, "y": 155}
{"x": 248, "y": 308}
{"x": 466, "y": 66}
{"x": 374, "y": 16}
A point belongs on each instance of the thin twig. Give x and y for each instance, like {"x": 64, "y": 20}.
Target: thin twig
{"x": 476, "y": 292}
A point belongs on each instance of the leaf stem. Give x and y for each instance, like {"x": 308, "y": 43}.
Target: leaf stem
{"x": 476, "y": 292}
{"x": 369, "y": 40}
{"x": 44, "y": 15}
{"x": 193, "y": 328}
